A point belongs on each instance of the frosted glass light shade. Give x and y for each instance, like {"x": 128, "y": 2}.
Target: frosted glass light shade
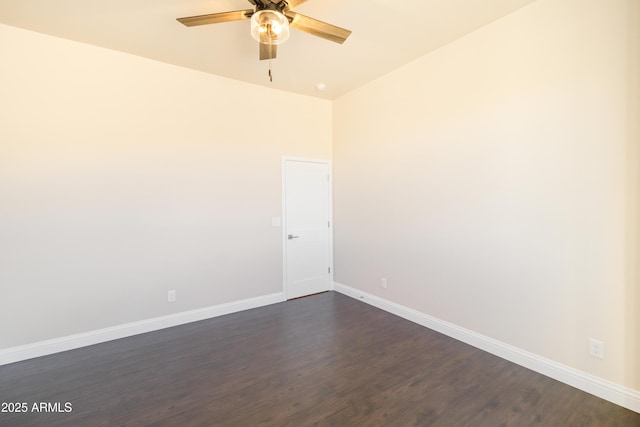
{"x": 269, "y": 26}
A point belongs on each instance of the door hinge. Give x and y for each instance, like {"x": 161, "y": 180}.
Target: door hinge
{"x": 328, "y": 224}
{"x": 329, "y": 270}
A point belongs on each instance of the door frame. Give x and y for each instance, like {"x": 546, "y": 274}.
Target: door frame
{"x": 286, "y": 159}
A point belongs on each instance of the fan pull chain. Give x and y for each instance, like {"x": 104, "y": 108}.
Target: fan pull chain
{"x": 270, "y": 52}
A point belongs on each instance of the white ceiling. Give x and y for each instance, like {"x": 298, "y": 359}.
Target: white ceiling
{"x": 386, "y": 35}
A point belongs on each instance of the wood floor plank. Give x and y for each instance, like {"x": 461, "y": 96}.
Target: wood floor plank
{"x": 325, "y": 360}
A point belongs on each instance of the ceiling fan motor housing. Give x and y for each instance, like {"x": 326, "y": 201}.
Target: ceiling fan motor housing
{"x": 278, "y": 5}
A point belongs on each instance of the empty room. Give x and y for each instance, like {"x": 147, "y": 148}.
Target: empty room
{"x": 320, "y": 212}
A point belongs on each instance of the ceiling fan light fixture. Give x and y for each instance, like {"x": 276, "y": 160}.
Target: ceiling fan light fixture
{"x": 269, "y": 26}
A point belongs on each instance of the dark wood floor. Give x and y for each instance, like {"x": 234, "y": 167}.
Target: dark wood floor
{"x": 322, "y": 360}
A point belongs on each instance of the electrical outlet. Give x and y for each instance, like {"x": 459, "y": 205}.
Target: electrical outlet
{"x": 596, "y": 348}
{"x": 171, "y": 296}
{"x": 383, "y": 283}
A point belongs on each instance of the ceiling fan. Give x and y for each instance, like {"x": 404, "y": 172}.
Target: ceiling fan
{"x": 270, "y": 23}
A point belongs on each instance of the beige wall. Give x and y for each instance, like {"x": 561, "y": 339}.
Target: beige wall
{"x": 122, "y": 178}
{"x": 632, "y": 308}
{"x": 493, "y": 184}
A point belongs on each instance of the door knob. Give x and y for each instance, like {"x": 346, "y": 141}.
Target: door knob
{"x": 291, "y": 236}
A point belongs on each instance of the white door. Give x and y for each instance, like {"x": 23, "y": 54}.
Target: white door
{"x": 307, "y": 230}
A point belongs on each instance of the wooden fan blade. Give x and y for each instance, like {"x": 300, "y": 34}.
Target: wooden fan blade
{"x": 317, "y": 28}
{"x": 216, "y": 18}
{"x": 294, "y": 3}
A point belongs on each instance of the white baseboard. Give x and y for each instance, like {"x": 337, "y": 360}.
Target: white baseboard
{"x": 43, "y": 348}
{"x": 591, "y": 384}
